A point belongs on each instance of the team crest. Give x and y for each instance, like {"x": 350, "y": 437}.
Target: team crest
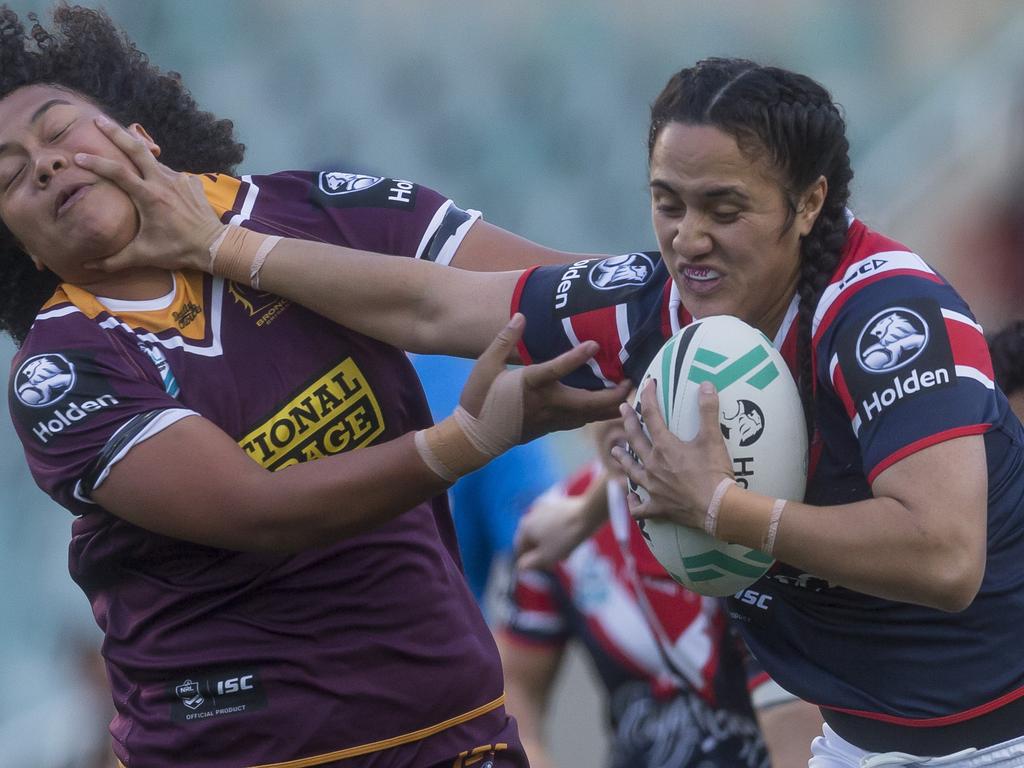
{"x": 891, "y": 339}
{"x": 339, "y": 183}
{"x": 618, "y": 271}
{"x": 43, "y": 380}
{"x": 748, "y": 421}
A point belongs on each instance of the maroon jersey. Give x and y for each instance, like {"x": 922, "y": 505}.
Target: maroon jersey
{"x": 370, "y": 647}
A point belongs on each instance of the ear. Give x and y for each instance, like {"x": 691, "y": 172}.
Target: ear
{"x": 811, "y": 202}
{"x": 136, "y": 130}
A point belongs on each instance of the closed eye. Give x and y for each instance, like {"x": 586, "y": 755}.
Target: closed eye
{"x": 10, "y": 181}
{"x": 61, "y": 132}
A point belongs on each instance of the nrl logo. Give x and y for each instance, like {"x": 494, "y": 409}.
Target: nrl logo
{"x": 189, "y": 694}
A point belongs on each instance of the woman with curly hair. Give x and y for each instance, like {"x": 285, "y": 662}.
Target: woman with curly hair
{"x": 311, "y": 614}
{"x": 898, "y": 591}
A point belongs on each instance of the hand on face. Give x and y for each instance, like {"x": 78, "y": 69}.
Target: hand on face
{"x": 679, "y": 476}
{"x": 176, "y": 223}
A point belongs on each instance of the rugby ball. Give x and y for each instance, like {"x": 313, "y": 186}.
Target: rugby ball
{"x": 762, "y": 421}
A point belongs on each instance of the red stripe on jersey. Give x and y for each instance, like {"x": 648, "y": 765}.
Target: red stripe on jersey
{"x": 841, "y": 389}
{"x": 969, "y": 347}
{"x": 535, "y": 600}
{"x": 846, "y": 295}
{"x": 517, "y": 297}
{"x": 666, "y": 318}
{"x": 924, "y": 442}
{"x": 757, "y": 681}
{"x": 936, "y": 722}
{"x": 578, "y": 484}
{"x": 600, "y": 325}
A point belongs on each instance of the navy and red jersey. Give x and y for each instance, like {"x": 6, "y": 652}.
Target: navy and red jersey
{"x": 371, "y": 648}
{"x": 666, "y": 656}
{"x": 900, "y": 364}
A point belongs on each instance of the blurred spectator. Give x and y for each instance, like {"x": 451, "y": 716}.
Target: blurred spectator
{"x": 1007, "y": 348}
{"x": 487, "y": 504}
{"x": 679, "y": 696}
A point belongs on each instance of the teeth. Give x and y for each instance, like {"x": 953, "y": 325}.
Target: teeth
{"x": 701, "y": 274}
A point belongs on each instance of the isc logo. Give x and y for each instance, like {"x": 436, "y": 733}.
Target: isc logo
{"x": 754, "y": 598}
{"x": 234, "y": 685}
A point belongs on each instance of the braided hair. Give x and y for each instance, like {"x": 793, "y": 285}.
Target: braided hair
{"x": 793, "y": 121}
{"x": 86, "y": 53}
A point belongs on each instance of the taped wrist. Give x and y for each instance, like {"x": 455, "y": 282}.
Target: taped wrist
{"x": 447, "y": 450}
{"x": 238, "y": 254}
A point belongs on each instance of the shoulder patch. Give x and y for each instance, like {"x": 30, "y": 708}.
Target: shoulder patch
{"x": 53, "y": 391}
{"x": 338, "y": 189}
{"x": 607, "y": 282}
{"x": 893, "y": 354}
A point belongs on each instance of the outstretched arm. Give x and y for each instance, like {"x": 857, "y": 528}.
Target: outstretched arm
{"x": 242, "y": 506}
{"x": 413, "y": 305}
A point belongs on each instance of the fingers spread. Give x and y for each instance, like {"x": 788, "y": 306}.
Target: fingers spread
{"x": 132, "y": 146}
{"x": 638, "y": 441}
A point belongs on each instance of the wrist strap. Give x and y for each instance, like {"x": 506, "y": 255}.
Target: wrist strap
{"x": 768, "y": 545}
{"x": 448, "y": 451}
{"x": 238, "y": 254}
{"x": 711, "y": 518}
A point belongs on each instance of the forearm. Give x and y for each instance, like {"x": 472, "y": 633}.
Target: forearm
{"x": 410, "y": 304}
{"x": 877, "y": 546}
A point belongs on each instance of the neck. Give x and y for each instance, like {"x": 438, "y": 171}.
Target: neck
{"x": 140, "y": 284}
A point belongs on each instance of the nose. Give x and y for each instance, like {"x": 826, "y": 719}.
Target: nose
{"x": 47, "y": 165}
{"x": 691, "y": 238}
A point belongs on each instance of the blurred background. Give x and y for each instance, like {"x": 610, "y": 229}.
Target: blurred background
{"x": 536, "y": 113}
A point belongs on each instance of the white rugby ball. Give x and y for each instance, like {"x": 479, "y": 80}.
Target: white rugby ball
{"x": 762, "y": 420}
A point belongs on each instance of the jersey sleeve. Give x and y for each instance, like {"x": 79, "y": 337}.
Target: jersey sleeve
{"x": 79, "y": 403}
{"x": 371, "y": 213}
{"x": 615, "y": 301}
{"x": 529, "y": 611}
{"x": 910, "y": 366}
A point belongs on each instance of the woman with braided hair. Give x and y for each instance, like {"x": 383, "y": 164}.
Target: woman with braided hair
{"x": 898, "y": 593}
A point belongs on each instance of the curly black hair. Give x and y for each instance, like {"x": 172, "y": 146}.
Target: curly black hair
{"x": 87, "y": 53}
{"x": 793, "y": 119}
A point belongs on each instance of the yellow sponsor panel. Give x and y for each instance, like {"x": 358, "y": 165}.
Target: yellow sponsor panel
{"x": 337, "y": 412}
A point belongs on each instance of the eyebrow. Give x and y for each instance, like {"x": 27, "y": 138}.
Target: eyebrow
{"x": 46, "y": 106}
{"x": 712, "y": 193}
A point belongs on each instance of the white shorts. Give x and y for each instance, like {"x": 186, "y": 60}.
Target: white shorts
{"x": 832, "y": 751}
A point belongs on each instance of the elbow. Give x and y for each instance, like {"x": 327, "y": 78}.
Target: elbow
{"x": 957, "y": 582}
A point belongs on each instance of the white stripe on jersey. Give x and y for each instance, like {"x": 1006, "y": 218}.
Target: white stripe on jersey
{"x": 967, "y": 372}
{"x": 214, "y": 350}
{"x": 539, "y": 621}
{"x": 787, "y": 322}
{"x": 869, "y": 266}
{"x": 157, "y": 425}
{"x": 622, "y": 327}
{"x": 592, "y": 363}
{"x": 449, "y": 249}
{"x": 60, "y": 312}
{"x": 247, "y": 205}
{"x": 958, "y": 317}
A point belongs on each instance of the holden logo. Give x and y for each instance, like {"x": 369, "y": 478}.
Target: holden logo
{"x": 617, "y": 271}
{"x": 748, "y": 421}
{"x": 338, "y": 183}
{"x": 43, "y": 380}
{"x": 891, "y": 339}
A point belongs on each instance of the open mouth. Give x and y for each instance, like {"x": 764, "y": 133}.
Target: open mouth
{"x": 700, "y": 274}
{"x": 68, "y": 196}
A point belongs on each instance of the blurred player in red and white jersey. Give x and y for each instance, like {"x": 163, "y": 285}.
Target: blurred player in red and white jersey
{"x": 1007, "y": 348}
